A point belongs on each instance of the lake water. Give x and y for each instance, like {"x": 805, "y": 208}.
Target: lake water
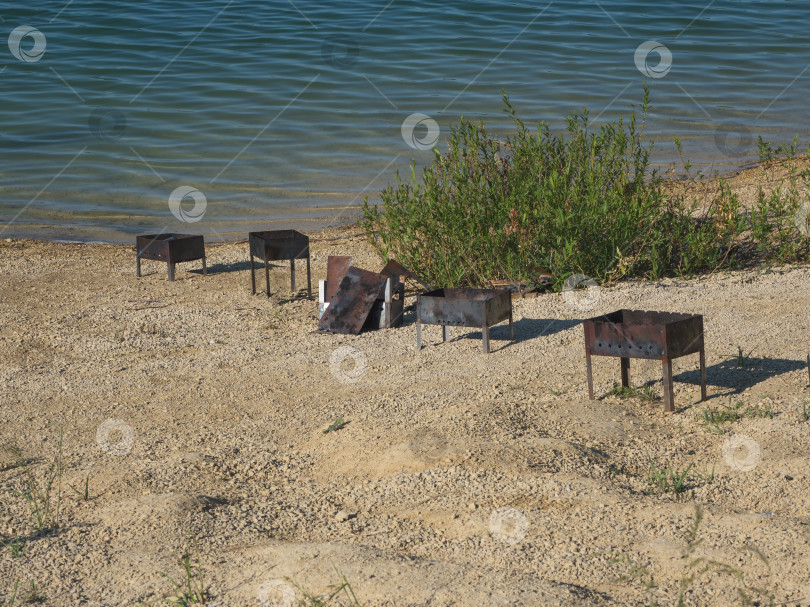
{"x": 217, "y": 117}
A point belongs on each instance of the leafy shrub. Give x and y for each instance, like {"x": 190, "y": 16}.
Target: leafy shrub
{"x": 498, "y": 209}
{"x": 579, "y": 203}
{"x": 780, "y": 220}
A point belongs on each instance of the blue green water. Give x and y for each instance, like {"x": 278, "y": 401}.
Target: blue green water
{"x": 288, "y": 113}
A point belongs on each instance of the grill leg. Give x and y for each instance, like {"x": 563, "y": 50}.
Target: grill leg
{"x": 669, "y": 392}
{"x": 625, "y": 362}
{"x": 590, "y": 374}
{"x": 292, "y": 275}
{"x": 485, "y": 335}
{"x": 418, "y": 335}
{"x": 702, "y": 374}
{"x": 252, "y": 275}
{"x": 511, "y": 326}
{"x": 445, "y": 332}
{"x": 309, "y": 279}
{"x": 205, "y": 269}
{"x": 386, "y": 316}
{"x": 267, "y": 275}
{"x": 137, "y": 266}
{"x": 171, "y": 272}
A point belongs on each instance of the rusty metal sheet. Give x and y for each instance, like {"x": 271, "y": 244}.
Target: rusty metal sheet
{"x": 336, "y": 267}
{"x": 352, "y": 302}
{"x": 395, "y": 269}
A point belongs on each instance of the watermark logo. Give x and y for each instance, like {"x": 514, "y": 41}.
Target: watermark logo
{"x": 340, "y": 51}
{"x": 106, "y": 124}
{"x": 508, "y": 525}
{"x": 425, "y": 140}
{"x": 428, "y": 445}
{"x": 115, "y": 437}
{"x": 352, "y": 374}
{"x": 642, "y": 59}
{"x": 733, "y": 140}
{"x": 180, "y": 194}
{"x": 741, "y": 452}
{"x": 276, "y": 593}
{"x": 15, "y": 43}
{"x": 581, "y": 292}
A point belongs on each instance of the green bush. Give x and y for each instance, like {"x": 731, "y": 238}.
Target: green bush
{"x": 579, "y": 203}
{"x": 693, "y": 237}
{"x": 780, "y": 220}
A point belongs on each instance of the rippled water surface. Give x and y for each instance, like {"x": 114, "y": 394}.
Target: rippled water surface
{"x": 289, "y": 113}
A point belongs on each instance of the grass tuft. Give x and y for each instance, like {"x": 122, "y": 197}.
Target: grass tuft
{"x": 668, "y": 479}
{"x": 696, "y": 567}
{"x": 713, "y": 417}
{"x": 83, "y": 492}
{"x": 325, "y": 597}
{"x": 644, "y": 392}
{"x": 33, "y": 596}
{"x": 741, "y": 359}
{"x": 706, "y": 477}
{"x": 43, "y": 496}
{"x": 336, "y": 425}
{"x": 191, "y": 590}
{"x": 15, "y": 546}
{"x": 13, "y": 599}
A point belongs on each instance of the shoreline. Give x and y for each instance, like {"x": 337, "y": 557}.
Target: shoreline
{"x": 230, "y": 234}
{"x": 744, "y": 179}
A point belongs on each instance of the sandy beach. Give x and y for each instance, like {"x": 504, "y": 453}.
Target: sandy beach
{"x": 173, "y": 438}
{"x": 196, "y": 410}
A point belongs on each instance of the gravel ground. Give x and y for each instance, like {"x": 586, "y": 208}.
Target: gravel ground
{"x": 197, "y": 410}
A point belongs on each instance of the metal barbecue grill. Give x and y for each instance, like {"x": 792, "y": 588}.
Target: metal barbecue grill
{"x": 169, "y": 248}
{"x": 463, "y": 308}
{"x": 278, "y": 245}
{"x": 660, "y": 336}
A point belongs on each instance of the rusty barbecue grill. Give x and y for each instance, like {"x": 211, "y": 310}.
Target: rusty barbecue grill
{"x": 278, "y": 245}
{"x": 463, "y": 308}
{"x": 169, "y": 248}
{"x": 660, "y": 336}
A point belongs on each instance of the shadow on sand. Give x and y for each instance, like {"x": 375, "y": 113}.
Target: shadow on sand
{"x": 525, "y": 329}
{"x": 736, "y": 378}
{"x": 224, "y": 268}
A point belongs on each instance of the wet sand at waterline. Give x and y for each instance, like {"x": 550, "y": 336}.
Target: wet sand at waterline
{"x": 198, "y": 410}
